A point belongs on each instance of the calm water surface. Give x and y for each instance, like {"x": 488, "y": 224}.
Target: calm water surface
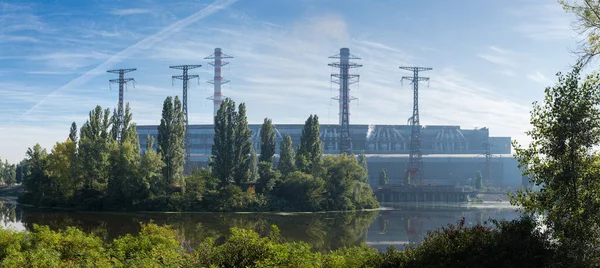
{"x": 398, "y": 225}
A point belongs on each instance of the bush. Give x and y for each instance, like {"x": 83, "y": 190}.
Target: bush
{"x": 499, "y": 244}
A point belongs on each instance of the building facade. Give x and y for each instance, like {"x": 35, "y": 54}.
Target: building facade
{"x": 451, "y": 155}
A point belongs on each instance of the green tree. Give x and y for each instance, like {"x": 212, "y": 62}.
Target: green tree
{"x": 343, "y": 175}
{"x": 309, "y": 154}
{"x": 241, "y": 147}
{"x": 60, "y": 170}
{"x": 362, "y": 161}
{"x": 253, "y": 165}
{"x": 587, "y": 14}
{"x": 36, "y": 183}
{"x": 171, "y": 132}
{"x": 286, "y": 156}
{"x": 268, "y": 178}
{"x": 222, "y": 150}
{"x": 561, "y": 160}
{"x": 151, "y": 167}
{"x": 94, "y": 152}
{"x": 267, "y": 141}
{"x": 73, "y": 132}
{"x": 10, "y": 173}
{"x": 383, "y": 178}
{"x": 478, "y": 183}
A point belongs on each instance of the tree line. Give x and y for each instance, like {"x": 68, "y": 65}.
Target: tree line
{"x": 101, "y": 166}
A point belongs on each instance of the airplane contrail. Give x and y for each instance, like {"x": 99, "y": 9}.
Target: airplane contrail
{"x": 143, "y": 44}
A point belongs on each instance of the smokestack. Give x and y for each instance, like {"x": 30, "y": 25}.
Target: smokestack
{"x": 218, "y": 80}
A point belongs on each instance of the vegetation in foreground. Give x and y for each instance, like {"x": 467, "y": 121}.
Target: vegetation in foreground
{"x": 500, "y": 244}
{"x": 104, "y": 169}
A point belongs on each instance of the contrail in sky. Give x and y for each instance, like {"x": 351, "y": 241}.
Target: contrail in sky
{"x": 144, "y": 44}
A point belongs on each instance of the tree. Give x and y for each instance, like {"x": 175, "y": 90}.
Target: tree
{"x": 587, "y": 23}
{"x": 267, "y": 178}
{"x": 253, "y": 165}
{"x": 383, "y": 179}
{"x": 267, "y": 141}
{"x": 73, "y": 132}
{"x": 560, "y": 159}
{"x": 309, "y": 154}
{"x": 286, "y": 156}
{"x": 241, "y": 147}
{"x": 171, "y": 132}
{"x": 478, "y": 180}
{"x": 362, "y": 161}
{"x": 94, "y": 152}
{"x": 36, "y": 182}
{"x": 151, "y": 167}
{"x": 222, "y": 150}
{"x": 10, "y": 173}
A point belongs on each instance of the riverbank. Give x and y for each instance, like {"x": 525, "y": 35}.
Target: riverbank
{"x": 11, "y": 191}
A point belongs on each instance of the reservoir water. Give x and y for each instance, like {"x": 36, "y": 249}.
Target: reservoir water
{"x": 396, "y": 225}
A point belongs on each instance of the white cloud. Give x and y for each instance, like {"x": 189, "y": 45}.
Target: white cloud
{"x": 540, "y": 78}
{"x": 129, "y": 11}
{"x": 550, "y": 23}
{"x": 280, "y": 72}
{"x": 499, "y": 56}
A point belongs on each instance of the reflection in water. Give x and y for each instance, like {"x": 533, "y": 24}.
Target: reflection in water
{"x": 402, "y": 225}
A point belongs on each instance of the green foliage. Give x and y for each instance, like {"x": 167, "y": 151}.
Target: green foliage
{"x": 73, "y": 132}
{"x": 309, "y": 155}
{"x": 8, "y": 172}
{"x": 267, "y": 141}
{"x": 268, "y": 178}
{"x": 171, "y": 132}
{"x": 362, "y": 161}
{"x": 286, "y": 156}
{"x": 383, "y": 179}
{"x": 587, "y": 23}
{"x": 505, "y": 244}
{"x": 253, "y": 165}
{"x": 222, "y": 150}
{"x": 241, "y": 147}
{"x": 99, "y": 172}
{"x": 561, "y": 160}
{"x": 517, "y": 243}
{"x": 478, "y": 183}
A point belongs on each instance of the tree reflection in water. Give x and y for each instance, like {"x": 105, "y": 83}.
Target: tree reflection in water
{"x": 323, "y": 231}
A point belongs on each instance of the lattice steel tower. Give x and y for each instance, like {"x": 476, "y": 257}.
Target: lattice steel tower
{"x": 345, "y": 79}
{"x": 122, "y": 82}
{"x": 415, "y": 160}
{"x": 488, "y": 159}
{"x": 218, "y": 80}
{"x": 185, "y": 78}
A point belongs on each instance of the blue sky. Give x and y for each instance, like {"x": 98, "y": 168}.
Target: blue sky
{"x": 491, "y": 60}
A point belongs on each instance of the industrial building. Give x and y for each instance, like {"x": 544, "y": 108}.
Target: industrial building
{"x": 441, "y": 155}
{"x": 450, "y": 154}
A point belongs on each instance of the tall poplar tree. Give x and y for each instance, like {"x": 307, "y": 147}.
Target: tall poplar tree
{"x": 94, "y": 153}
{"x": 267, "y": 141}
{"x": 310, "y": 153}
{"x": 242, "y": 146}
{"x": 222, "y": 150}
{"x": 73, "y": 132}
{"x": 286, "y": 156}
{"x": 171, "y": 133}
{"x": 362, "y": 161}
{"x": 253, "y": 165}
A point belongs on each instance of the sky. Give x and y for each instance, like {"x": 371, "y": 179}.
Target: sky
{"x": 490, "y": 60}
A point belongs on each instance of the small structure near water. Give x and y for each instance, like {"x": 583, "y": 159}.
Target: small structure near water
{"x": 439, "y": 193}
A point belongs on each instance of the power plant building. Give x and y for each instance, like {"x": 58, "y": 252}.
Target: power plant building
{"x": 451, "y": 155}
